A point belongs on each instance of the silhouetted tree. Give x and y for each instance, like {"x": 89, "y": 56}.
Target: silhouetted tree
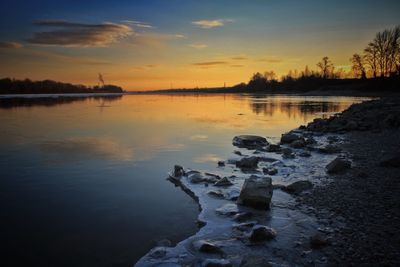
{"x": 358, "y": 66}
{"x": 326, "y": 67}
{"x": 371, "y": 57}
{"x": 257, "y": 82}
{"x": 270, "y": 75}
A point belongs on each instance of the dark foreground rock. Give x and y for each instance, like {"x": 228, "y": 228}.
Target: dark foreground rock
{"x": 256, "y": 192}
{"x": 338, "y": 165}
{"x": 298, "y": 187}
{"x": 249, "y": 141}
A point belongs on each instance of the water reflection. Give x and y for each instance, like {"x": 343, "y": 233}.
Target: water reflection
{"x": 72, "y": 168}
{"x": 50, "y": 101}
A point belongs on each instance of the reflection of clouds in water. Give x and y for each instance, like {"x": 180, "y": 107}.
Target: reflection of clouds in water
{"x": 199, "y": 137}
{"x": 207, "y": 158}
{"x": 88, "y": 148}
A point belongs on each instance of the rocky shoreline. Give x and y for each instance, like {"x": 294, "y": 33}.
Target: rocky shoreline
{"x": 285, "y": 204}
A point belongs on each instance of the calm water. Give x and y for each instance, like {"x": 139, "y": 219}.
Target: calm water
{"x": 83, "y": 179}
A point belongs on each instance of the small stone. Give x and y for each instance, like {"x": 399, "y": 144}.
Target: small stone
{"x": 216, "y": 193}
{"x": 196, "y": 178}
{"x": 247, "y": 163}
{"x": 229, "y": 209}
{"x": 243, "y": 216}
{"x": 223, "y": 182}
{"x": 318, "y": 241}
{"x": 261, "y": 233}
{"x": 298, "y": 143}
{"x": 178, "y": 171}
{"x": 305, "y": 154}
{"x": 270, "y": 171}
{"x": 288, "y": 138}
{"x": 249, "y": 141}
{"x": 287, "y": 153}
{"x": 206, "y": 247}
{"x": 221, "y": 163}
{"x": 338, "y": 165}
{"x": 273, "y": 148}
{"x": 298, "y": 187}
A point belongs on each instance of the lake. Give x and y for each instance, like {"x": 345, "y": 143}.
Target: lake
{"x": 83, "y": 179}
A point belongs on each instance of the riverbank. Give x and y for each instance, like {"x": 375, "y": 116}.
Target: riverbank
{"x": 314, "y": 217}
{"x": 367, "y": 197}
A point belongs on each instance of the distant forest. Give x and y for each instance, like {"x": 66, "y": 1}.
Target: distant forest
{"x": 377, "y": 68}
{"x": 12, "y": 86}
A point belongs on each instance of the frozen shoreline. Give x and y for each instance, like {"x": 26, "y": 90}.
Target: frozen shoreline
{"x": 294, "y": 224}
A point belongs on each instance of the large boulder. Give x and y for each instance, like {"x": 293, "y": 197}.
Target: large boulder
{"x": 338, "y": 165}
{"x": 249, "y": 141}
{"x": 256, "y": 192}
{"x": 248, "y": 162}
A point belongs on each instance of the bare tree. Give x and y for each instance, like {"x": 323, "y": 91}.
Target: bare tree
{"x": 326, "y": 67}
{"x": 358, "y": 66}
{"x": 371, "y": 57}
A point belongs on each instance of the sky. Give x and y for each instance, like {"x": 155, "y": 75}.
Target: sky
{"x": 162, "y": 44}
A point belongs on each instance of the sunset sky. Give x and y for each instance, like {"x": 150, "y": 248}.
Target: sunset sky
{"x": 151, "y": 44}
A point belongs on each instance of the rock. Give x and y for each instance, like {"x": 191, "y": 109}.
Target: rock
{"x": 206, "y": 247}
{"x": 261, "y": 233}
{"x": 278, "y": 186}
{"x": 338, "y": 165}
{"x": 391, "y": 161}
{"x": 223, "y": 182}
{"x": 158, "y": 252}
{"x": 243, "y": 216}
{"x": 298, "y": 187}
{"x": 221, "y": 163}
{"x": 232, "y": 195}
{"x": 270, "y": 171}
{"x": 237, "y": 152}
{"x": 287, "y": 153}
{"x": 273, "y": 148}
{"x": 249, "y": 141}
{"x": 216, "y": 263}
{"x": 318, "y": 241}
{"x": 196, "y": 178}
{"x": 310, "y": 141}
{"x": 351, "y": 125}
{"x": 288, "y": 138}
{"x": 178, "y": 171}
{"x": 256, "y": 192}
{"x": 329, "y": 149}
{"x": 247, "y": 162}
{"x": 298, "y": 143}
{"x": 253, "y": 261}
{"x": 332, "y": 138}
{"x": 244, "y": 226}
{"x": 216, "y": 193}
{"x": 229, "y": 209}
{"x": 305, "y": 154}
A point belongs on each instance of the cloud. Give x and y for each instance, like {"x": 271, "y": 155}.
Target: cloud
{"x": 198, "y": 46}
{"x": 239, "y": 58}
{"x": 138, "y": 24}
{"x": 145, "y": 67}
{"x": 153, "y": 39}
{"x": 73, "y": 34}
{"x": 208, "y": 24}
{"x": 237, "y": 66}
{"x": 10, "y": 45}
{"x": 270, "y": 60}
{"x": 210, "y": 63}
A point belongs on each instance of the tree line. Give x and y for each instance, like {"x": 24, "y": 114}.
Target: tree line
{"x": 379, "y": 59}
{"x": 27, "y": 86}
